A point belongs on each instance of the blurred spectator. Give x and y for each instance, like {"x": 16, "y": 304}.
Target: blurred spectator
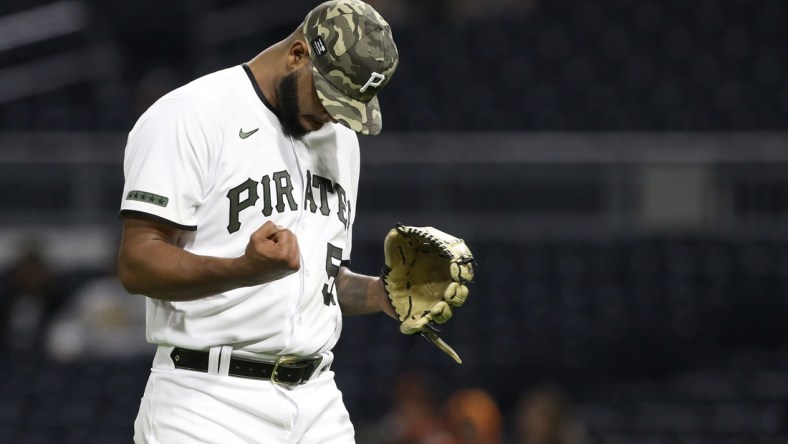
{"x": 101, "y": 320}
{"x": 29, "y": 299}
{"x": 545, "y": 415}
{"x": 415, "y": 417}
{"x": 474, "y": 417}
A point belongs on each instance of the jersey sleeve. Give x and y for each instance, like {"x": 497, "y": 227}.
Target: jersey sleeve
{"x": 165, "y": 164}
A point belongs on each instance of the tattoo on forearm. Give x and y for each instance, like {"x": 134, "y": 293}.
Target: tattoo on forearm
{"x": 353, "y": 294}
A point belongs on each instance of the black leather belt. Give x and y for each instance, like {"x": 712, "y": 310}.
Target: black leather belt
{"x": 286, "y": 370}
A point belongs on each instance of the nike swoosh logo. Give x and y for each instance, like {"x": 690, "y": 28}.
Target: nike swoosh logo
{"x": 244, "y": 134}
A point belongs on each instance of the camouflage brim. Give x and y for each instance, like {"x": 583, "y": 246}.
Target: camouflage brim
{"x": 362, "y": 117}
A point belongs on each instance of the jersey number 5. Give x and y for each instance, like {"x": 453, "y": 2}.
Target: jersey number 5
{"x": 332, "y": 269}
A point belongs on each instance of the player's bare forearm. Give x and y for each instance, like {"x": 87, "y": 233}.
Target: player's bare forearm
{"x": 360, "y": 294}
{"x": 150, "y": 263}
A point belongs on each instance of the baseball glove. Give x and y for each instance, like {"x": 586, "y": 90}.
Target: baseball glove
{"x": 425, "y": 274}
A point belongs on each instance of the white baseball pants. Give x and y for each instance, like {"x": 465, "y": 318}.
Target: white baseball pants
{"x": 185, "y": 406}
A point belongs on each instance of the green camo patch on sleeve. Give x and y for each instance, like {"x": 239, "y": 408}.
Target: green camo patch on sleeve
{"x": 151, "y": 198}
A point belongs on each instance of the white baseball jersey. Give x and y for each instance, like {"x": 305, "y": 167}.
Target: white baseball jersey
{"x": 210, "y": 157}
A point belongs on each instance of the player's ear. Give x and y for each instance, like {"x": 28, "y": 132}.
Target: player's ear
{"x": 298, "y": 55}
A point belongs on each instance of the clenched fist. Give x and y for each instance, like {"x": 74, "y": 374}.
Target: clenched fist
{"x": 272, "y": 253}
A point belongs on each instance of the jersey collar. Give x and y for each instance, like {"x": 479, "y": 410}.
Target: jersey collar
{"x": 258, "y": 90}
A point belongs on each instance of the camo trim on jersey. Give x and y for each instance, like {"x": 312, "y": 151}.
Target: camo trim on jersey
{"x": 353, "y": 56}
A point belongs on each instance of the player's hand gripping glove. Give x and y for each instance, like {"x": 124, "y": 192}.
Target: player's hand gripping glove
{"x": 426, "y": 273}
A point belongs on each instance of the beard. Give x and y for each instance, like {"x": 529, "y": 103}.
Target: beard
{"x": 289, "y": 111}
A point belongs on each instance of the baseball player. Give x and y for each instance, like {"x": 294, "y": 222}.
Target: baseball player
{"x": 238, "y": 213}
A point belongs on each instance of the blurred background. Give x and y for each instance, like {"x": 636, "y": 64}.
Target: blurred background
{"x": 619, "y": 168}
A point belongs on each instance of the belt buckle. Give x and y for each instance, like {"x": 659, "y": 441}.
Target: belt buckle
{"x": 307, "y": 361}
{"x": 286, "y": 360}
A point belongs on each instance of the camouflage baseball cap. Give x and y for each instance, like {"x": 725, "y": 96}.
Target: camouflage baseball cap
{"x": 353, "y": 56}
